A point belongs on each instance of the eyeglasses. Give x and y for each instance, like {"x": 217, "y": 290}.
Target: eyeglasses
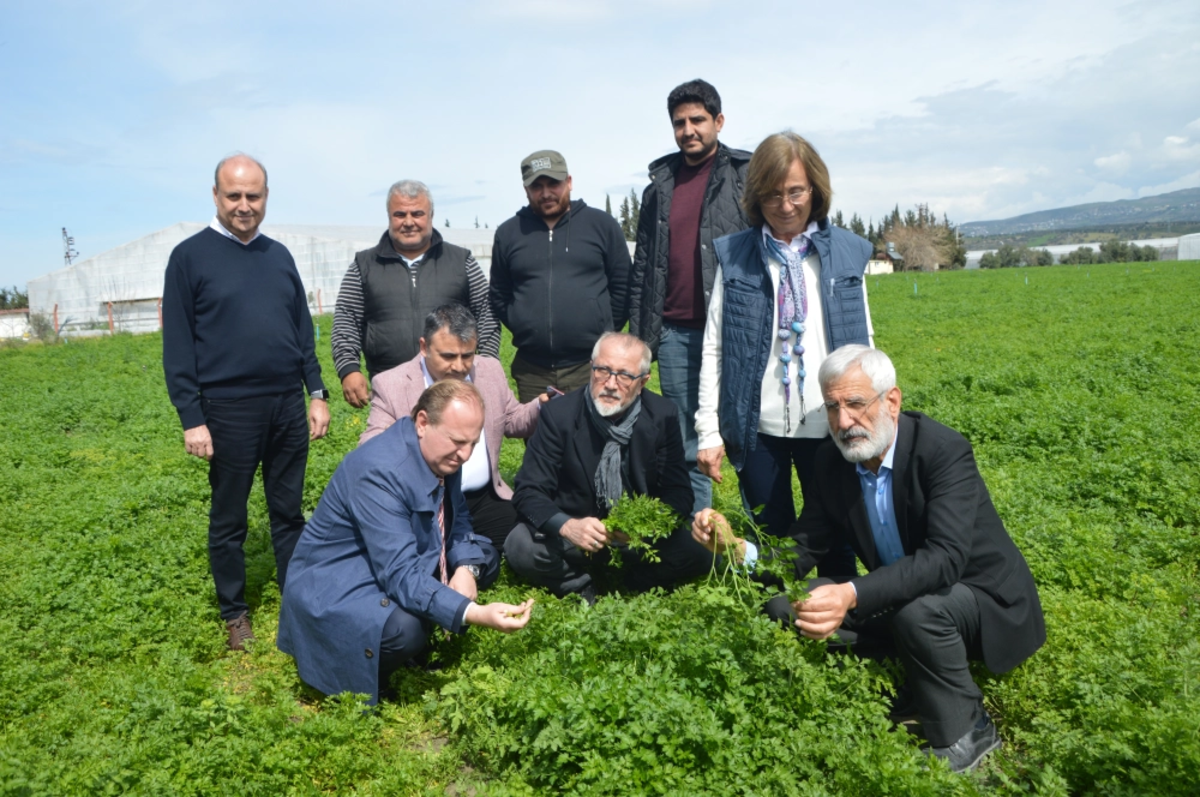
{"x": 624, "y": 378}
{"x": 794, "y": 197}
{"x": 854, "y": 407}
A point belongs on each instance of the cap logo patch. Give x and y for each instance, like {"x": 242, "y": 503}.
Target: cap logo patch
{"x": 537, "y": 164}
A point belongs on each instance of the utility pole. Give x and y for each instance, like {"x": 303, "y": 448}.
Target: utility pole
{"x": 68, "y": 247}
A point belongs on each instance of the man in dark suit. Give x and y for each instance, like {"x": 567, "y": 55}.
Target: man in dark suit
{"x": 591, "y": 447}
{"x": 945, "y": 584}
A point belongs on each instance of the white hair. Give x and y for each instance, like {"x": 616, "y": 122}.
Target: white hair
{"x": 412, "y": 189}
{"x": 874, "y": 363}
{"x": 626, "y": 340}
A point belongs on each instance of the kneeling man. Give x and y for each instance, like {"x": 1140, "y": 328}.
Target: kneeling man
{"x": 945, "y": 584}
{"x": 591, "y": 447}
{"x": 390, "y": 552}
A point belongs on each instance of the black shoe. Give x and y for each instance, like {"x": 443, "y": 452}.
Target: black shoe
{"x": 904, "y": 707}
{"x": 588, "y": 593}
{"x": 967, "y": 752}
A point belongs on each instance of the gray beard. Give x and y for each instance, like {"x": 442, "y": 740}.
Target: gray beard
{"x": 609, "y": 410}
{"x": 857, "y": 445}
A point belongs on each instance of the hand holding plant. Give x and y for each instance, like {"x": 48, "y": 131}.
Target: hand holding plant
{"x": 642, "y": 521}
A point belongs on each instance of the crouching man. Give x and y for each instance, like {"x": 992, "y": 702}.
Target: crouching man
{"x": 390, "y": 552}
{"x": 945, "y": 584}
{"x": 591, "y": 447}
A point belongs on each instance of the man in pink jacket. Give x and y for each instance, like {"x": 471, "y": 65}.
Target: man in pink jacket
{"x": 448, "y": 352}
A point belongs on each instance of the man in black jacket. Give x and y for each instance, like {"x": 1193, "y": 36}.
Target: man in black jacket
{"x": 590, "y": 448}
{"x": 559, "y": 279}
{"x": 945, "y": 584}
{"x": 390, "y": 288}
{"x": 694, "y": 197}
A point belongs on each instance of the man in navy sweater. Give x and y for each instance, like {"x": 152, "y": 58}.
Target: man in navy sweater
{"x": 237, "y": 349}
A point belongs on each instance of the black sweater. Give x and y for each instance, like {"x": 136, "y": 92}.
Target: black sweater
{"x": 235, "y": 323}
{"x": 558, "y": 290}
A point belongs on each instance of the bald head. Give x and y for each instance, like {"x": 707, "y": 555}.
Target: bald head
{"x": 240, "y": 194}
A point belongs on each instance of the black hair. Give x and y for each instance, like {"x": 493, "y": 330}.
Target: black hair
{"x": 456, "y": 319}
{"x": 697, "y": 90}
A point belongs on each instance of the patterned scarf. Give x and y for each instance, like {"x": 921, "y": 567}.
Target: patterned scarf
{"x": 793, "y": 312}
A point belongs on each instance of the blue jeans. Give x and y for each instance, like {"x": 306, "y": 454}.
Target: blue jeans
{"x": 679, "y": 354}
{"x": 765, "y": 481}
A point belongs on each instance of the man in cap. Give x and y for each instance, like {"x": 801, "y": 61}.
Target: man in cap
{"x": 558, "y": 279}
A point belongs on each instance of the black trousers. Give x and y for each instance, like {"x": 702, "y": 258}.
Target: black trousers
{"x": 935, "y": 636}
{"x": 765, "y": 480}
{"x": 550, "y": 561}
{"x": 532, "y": 379}
{"x": 491, "y": 515}
{"x": 273, "y": 431}
{"x": 405, "y": 635}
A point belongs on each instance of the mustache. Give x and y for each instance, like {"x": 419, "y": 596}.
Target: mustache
{"x": 854, "y": 433}
{"x": 606, "y": 393}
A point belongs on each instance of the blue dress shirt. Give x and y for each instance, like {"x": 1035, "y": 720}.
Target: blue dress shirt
{"x": 881, "y": 511}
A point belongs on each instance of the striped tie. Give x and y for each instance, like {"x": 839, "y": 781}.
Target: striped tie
{"x": 442, "y": 528}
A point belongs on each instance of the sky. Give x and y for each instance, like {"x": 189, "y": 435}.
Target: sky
{"x": 113, "y": 113}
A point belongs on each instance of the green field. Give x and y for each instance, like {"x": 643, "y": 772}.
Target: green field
{"x": 1080, "y": 389}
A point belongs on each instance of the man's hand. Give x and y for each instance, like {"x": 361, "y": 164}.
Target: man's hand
{"x": 198, "y": 442}
{"x": 463, "y": 583}
{"x": 586, "y": 534}
{"x": 711, "y": 529}
{"x": 544, "y": 397}
{"x": 500, "y": 616}
{"x": 318, "y": 418}
{"x": 822, "y": 612}
{"x": 709, "y": 462}
{"x": 356, "y": 390}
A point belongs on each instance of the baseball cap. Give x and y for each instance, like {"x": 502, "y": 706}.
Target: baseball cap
{"x": 545, "y": 162}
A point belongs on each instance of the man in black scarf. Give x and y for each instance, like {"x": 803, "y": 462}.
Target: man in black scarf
{"x": 592, "y": 446}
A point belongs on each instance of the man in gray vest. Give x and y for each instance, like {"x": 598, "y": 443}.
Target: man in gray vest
{"x": 390, "y": 288}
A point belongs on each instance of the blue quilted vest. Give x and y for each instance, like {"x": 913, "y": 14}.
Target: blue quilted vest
{"x": 749, "y": 311}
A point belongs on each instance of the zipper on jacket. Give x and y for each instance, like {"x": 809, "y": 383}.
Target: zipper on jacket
{"x": 550, "y": 294}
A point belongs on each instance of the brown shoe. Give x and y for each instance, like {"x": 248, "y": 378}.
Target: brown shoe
{"x": 240, "y": 632}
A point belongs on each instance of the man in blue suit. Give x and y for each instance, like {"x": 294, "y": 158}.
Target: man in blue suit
{"x": 390, "y": 552}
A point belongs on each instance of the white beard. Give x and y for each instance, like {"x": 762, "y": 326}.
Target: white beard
{"x": 859, "y": 445}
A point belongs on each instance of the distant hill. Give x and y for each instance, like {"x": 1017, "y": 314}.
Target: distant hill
{"x": 1177, "y": 206}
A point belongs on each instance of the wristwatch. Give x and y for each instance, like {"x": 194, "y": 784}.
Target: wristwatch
{"x": 322, "y": 394}
{"x": 474, "y": 570}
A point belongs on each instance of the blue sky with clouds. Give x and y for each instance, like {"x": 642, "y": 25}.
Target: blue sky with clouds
{"x": 113, "y": 113}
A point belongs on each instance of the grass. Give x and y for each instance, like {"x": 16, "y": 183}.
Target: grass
{"x": 1078, "y": 389}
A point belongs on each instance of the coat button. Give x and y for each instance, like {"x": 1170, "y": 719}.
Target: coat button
{"x": 703, "y": 246}
{"x": 385, "y": 602}
{"x": 370, "y": 653}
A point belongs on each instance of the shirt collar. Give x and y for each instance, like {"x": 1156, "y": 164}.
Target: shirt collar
{"x": 887, "y": 458}
{"x": 217, "y": 226}
{"x": 429, "y": 379}
{"x": 794, "y": 244}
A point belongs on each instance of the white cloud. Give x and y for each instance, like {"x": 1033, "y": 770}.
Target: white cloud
{"x": 1118, "y": 162}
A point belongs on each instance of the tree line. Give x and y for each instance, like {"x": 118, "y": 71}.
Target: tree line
{"x": 917, "y": 236}
{"x": 13, "y": 299}
{"x": 1009, "y": 256}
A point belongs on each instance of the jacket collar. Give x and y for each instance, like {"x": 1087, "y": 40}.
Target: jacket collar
{"x": 576, "y": 206}
{"x": 671, "y": 162}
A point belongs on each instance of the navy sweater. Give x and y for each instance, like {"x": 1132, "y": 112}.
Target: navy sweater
{"x": 235, "y": 323}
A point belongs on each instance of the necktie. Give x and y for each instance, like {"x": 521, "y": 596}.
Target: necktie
{"x": 442, "y": 528}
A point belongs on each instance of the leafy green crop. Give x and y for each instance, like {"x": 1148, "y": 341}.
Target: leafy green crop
{"x": 645, "y": 520}
{"x": 1078, "y": 391}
